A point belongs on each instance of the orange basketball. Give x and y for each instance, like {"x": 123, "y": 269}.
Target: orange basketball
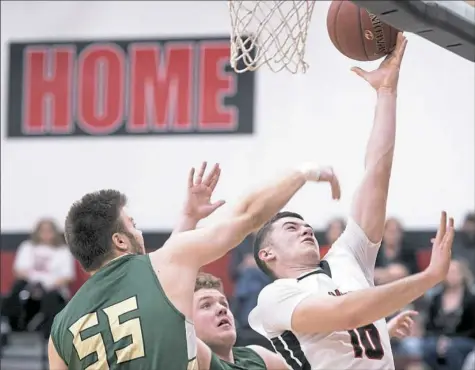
{"x": 357, "y": 33}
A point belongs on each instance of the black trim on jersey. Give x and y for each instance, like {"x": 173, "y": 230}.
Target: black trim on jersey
{"x": 324, "y": 269}
{"x": 289, "y": 347}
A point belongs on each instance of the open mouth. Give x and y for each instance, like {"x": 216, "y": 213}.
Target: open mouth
{"x": 224, "y": 322}
{"x": 308, "y": 240}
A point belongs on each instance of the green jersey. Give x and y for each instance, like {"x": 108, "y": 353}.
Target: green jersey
{"x": 244, "y": 359}
{"x": 121, "y": 319}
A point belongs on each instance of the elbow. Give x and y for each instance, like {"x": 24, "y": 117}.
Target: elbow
{"x": 251, "y": 220}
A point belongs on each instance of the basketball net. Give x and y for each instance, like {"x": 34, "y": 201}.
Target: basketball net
{"x": 269, "y": 32}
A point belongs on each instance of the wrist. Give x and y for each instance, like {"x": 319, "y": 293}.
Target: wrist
{"x": 190, "y": 218}
{"x": 430, "y": 277}
{"x": 309, "y": 171}
{"x": 387, "y": 91}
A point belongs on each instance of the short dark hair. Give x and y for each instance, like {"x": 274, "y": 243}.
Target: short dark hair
{"x": 208, "y": 281}
{"x": 261, "y": 238}
{"x": 90, "y": 224}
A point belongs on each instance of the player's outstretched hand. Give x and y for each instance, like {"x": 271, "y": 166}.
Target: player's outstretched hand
{"x": 387, "y": 75}
{"x": 442, "y": 249}
{"x": 316, "y": 173}
{"x": 400, "y": 326}
{"x": 200, "y": 189}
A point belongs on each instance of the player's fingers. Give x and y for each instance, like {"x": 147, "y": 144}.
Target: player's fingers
{"x": 406, "y": 325}
{"x": 399, "y": 334}
{"x": 201, "y": 172}
{"x": 448, "y": 240}
{"x": 209, "y": 177}
{"x": 359, "y": 72}
{"x": 335, "y": 186}
{"x": 442, "y": 227}
{"x": 409, "y": 321}
{"x": 191, "y": 175}
{"x": 451, "y": 222}
{"x": 217, "y": 204}
{"x": 215, "y": 179}
{"x": 409, "y": 313}
{"x": 401, "y": 50}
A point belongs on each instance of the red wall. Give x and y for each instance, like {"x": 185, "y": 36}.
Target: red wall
{"x": 218, "y": 268}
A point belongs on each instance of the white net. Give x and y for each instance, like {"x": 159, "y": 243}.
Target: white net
{"x": 269, "y": 32}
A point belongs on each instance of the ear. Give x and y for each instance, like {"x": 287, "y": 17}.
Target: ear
{"x": 266, "y": 255}
{"x": 120, "y": 241}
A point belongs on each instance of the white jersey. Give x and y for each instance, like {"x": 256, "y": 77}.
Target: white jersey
{"x": 348, "y": 266}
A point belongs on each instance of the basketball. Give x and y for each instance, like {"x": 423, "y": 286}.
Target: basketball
{"x": 358, "y": 34}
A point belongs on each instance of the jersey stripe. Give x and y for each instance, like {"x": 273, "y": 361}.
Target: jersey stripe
{"x": 289, "y": 348}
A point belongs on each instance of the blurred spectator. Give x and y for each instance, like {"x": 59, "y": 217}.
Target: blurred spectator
{"x": 396, "y": 258}
{"x": 237, "y": 256}
{"x": 450, "y": 328}
{"x": 450, "y": 323}
{"x": 333, "y": 231}
{"x": 469, "y": 363}
{"x": 464, "y": 245}
{"x": 43, "y": 269}
{"x": 249, "y": 281}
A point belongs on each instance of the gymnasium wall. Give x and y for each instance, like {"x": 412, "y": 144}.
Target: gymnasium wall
{"x": 324, "y": 115}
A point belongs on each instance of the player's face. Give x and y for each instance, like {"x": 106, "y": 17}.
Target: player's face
{"x": 294, "y": 242}
{"x": 134, "y": 238}
{"x": 214, "y": 322}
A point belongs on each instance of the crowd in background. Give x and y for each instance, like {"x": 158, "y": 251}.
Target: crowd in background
{"x": 443, "y": 336}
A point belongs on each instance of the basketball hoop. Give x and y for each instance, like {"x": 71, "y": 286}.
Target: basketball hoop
{"x": 269, "y": 32}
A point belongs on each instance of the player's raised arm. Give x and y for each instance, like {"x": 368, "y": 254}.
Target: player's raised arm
{"x": 202, "y": 246}
{"x": 198, "y": 198}
{"x": 369, "y": 203}
{"x": 293, "y": 308}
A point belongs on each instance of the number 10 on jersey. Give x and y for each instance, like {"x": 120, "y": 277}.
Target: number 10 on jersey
{"x": 366, "y": 341}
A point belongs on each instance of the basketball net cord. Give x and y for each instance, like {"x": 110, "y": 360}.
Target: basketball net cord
{"x": 269, "y": 32}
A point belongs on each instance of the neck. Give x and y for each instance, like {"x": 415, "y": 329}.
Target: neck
{"x": 293, "y": 272}
{"x": 223, "y": 352}
{"x": 107, "y": 262}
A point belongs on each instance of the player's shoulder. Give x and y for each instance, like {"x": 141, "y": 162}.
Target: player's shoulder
{"x": 250, "y": 356}
{"x": 277, "y": 291}
{"x": 353, "y": 235}
{"x": 279, "y": 285}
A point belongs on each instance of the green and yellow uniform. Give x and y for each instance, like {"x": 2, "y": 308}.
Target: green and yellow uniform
{"x": 121, "y": 319}
{"x": 244, "y": 359}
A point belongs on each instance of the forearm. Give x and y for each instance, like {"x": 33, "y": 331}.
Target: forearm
{"x": 265, "y": 202}
{"x": 380, "y": 147}
{"x": 369, "y": 204}
{"x": 369, "y": 305}
{"x": 185, "y": 223}
{"x": 321, "y": 314}
{"x": 210, "y": 243}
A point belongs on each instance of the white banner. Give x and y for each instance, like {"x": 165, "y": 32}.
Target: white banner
{"x": 325, "y": 115}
